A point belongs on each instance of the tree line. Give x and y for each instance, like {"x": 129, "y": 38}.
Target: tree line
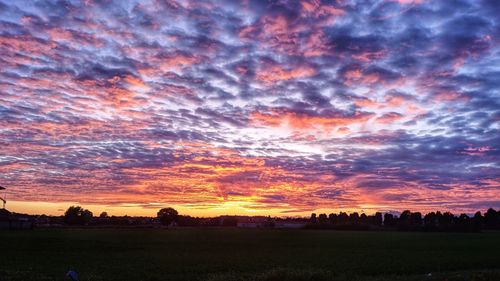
{"x": 406, "y": 221}
{"x": 409, "y": 221}
{"x": 78, "y": 216}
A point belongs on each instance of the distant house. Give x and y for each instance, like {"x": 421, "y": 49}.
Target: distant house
{"x": 13, "y": 221}
{"x": 4, "y": 215}
{"x": 9, "y": 220}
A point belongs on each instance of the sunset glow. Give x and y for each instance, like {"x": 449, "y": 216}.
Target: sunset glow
{"x": 250, "y": 107}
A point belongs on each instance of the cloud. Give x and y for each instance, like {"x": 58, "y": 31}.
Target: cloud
{"x": 291, "y": 105}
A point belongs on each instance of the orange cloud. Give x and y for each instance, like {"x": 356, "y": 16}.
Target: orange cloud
{"x": 316, "y": 44}
{"x": 304, "y": 122}
{"x": 276, "y": 73}
{"x": 135, "y": 81}
{"x": 365, "y": 102}
{"x": 390, "y": 117}
{"x": 448, "y": 96}
{"x": 395, "y": 101}
{"x": 369, "y": 56}
{"x": 285, "y": 35}
{"x": 174, "y": 61}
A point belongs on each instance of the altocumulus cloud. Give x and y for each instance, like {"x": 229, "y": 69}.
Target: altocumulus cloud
{"x": 294, "y": 105}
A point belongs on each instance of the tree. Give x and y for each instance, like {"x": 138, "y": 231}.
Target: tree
{"x": 322, "y": 218}
{"x": 363, "y": 218}
{"x": 389, "y": 219}
{"x": 313, "y": 218}
{"x": 445, "y": 220}
{"x": 188, "y": 221}
{"x": 477, "y": 220}
{"x": 491, "y": 219}
{"x": 404, "y": 220}
{"x": 104, "y": 215}
{"x": 167, "y": 215}
{"x": 332, "y": 218}
{"x": 430, "y": 220}
{"x": 416, "y": 219}
{"x": 343, "y": 218}
{"x": 463, "y": 223}
{"x": 354, "y": 218}
{"x": 76, "y": 215}
{"x": 377, "y": 219}
{"x": 463, "y": 218}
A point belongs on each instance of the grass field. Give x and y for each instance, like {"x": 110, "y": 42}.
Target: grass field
{"x": 243, "y": 254}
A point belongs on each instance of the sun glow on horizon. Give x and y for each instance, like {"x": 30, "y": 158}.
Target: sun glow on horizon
{"x": 249, "y": 108}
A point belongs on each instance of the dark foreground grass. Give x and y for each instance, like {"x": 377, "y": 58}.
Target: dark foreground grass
{"x": 242, "y": 254}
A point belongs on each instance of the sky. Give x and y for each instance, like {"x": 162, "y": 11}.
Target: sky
{"x": 250, "y": 107}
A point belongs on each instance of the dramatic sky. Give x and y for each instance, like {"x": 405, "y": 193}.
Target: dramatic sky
{"x": 250, "y": 107}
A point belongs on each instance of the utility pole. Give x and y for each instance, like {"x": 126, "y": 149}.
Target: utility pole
{"x": 2, "y": 199}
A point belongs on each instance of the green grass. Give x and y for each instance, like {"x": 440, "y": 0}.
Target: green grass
{"x": 243, "y": 254}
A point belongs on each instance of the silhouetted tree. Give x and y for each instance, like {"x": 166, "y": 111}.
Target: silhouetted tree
{"x": 377, "y": 219}
{"x": 439, "y": 219}
{"x": 477, "y": 220}
{"x": 343, "y": 218}
{"x": 269, "y": 222}
{"x": 389, "y": 220}
{"x": 188, "y": 221}
{"x": 76, "y": 215}
{"x": 463, "y": 219}
{"x": 332, "y": 218}
{"x": 416, "y": 219}
{"x": 213, "y": 222}
{"x": 103, "y": 215}
{"x": 445, "y": 220}
{"x": 354, "y": 218}
{"x": 430, "y": 221}
{"x": 167, "y": 215}
{"x": 322, "y": 218}
{"x": 363, "y": 218}
{"x": 313, "y": 218}
{"x": 463, "y": 223}
{"x": 404, "y": 220}
{"x": 491, "y": 220}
